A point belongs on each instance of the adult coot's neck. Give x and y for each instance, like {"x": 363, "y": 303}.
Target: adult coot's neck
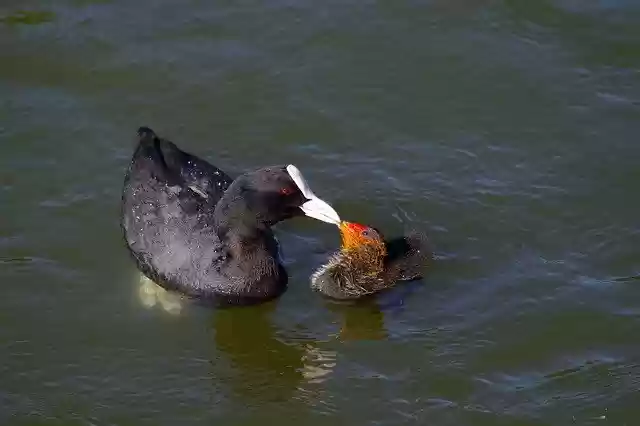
{"x": 240, "y": 225}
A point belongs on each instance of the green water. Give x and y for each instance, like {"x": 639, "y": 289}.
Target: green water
{"x": 507, "y": 130}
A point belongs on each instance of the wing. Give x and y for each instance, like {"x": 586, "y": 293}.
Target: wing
{"x": 167, "y": 213}
{"x": 169, "y": 163}
{"x": 407, "y": 256}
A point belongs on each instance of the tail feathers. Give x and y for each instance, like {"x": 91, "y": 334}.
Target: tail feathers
{"x": 176, "y": 167}
{"x": 159, "y": 152}
{"x": 145, "y": 133}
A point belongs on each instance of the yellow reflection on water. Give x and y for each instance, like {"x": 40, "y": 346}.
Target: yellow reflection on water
{"x": 151, "y": 294}
{"x": 318, "y": 364}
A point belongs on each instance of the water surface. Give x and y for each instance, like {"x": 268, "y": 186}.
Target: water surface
{"x": 506, "y": 130}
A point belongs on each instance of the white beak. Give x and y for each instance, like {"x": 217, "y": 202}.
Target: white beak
{"x": 315, "y": 207}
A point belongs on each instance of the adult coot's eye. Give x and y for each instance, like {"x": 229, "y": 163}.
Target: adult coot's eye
{"x": 285, "y": 191}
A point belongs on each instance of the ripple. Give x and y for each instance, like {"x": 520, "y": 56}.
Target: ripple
{"x": 318, "y": 364}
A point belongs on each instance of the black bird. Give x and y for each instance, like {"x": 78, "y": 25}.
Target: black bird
{"x": 367, "y": 263}
{"x": 193, "y": 229}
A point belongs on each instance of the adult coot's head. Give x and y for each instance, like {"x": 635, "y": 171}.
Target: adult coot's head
{"x": 272, "y": 194}
{"x": 367, "y": 264}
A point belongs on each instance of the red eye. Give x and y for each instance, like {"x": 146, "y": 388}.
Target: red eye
{"x": 285, "y": 191}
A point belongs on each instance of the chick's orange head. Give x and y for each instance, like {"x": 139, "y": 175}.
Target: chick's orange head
{"x": 355, "y": 235}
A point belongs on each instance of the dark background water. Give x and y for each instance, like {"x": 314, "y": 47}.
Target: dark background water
{"x": 507, "y": 130}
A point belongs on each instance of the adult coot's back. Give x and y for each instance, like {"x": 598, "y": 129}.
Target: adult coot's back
{"x": 192, "y": 228}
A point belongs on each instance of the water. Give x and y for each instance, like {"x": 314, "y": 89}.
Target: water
{"x": 507, "y": 130}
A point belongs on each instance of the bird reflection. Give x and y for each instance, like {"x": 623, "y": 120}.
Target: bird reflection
{"x": 269, "y": 364}
{"x": 364, "y": 319}
{"x": 360, "y": 320}
{"x": 265, "y": 367}
{"x": 151, "y": 294}
{"x": 273, "y": 365}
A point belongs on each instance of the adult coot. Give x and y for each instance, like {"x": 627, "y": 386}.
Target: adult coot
{"x": 367, "y": 264}
{"x": 191, "y": 228}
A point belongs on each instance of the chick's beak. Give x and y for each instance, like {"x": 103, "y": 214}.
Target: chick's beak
{"x": 350, "y": 237}
{"x": 314, "y": 207}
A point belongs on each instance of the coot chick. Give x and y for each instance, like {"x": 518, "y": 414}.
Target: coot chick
{"x": 367, "y": 264}
{"x": 193, "y": 229}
